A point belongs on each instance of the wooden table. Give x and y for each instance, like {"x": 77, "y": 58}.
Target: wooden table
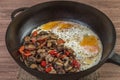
{"x": 9, "y": 69}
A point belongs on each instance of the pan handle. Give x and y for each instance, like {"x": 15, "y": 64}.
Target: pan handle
{"x": 17, "y": 11}
{"x": 114, "y": 58}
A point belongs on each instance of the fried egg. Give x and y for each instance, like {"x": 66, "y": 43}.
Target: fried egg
{"x": 85, "y": 43}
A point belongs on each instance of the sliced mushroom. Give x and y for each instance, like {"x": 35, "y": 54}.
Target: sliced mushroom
{"x": 73, "y": 70}
{"x": 37, "y": 43}
{"x": 59, "y": 62}
{"x": 21, "y": 58}
{"x": 49, "y": 58}
{"x": 49, "y": 44}
{"x": 70, "y": 50}
{"x": 60, "y": 47}
{"x": 43, "y": 33}
{"x": 43, "y": 55}
{"x": 31, "y": 59}
{"x": 33, "y": 66}
{"x": 38, "y": 60}
{"x": 40, "y": 50}
{"x": 52, "y": 41}
{"x": 53, "y": 36}
{"x": 26, "y": 63}
{"x": 68, "y": 67}
{"x": 65, "y": 59}
{"x": 30, "y": 47}
{"x": 42, "y": 44}
{"x": 39, "y": 68}
{"x": 55, "y": 59}
{"x": 27, "y": 39}
{"x": 37, "y": 56}
{"x": 33, "y": 52}
{"x": 66, "y": 63}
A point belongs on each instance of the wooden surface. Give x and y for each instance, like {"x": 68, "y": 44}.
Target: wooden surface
{"x": 23, "y": 75}
{"x": 9, "y": 69}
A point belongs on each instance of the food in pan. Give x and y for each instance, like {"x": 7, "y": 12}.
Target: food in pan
{"x": 60, "y": 47}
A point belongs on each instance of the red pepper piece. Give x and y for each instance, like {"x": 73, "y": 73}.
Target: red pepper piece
{"x": 63, "y": 56}
{"x": 52, "y": 52}
{"x": 43, "y": 63}
{"x": 48, "y": 69}
{"x": 27, "y": 53}
{"x": 57, "y": 55}
{"x": 67, "y": 53}
{"x": 34, "y": 33}
{"x": 75, "y": 64}
{"x": 21, "y": 49}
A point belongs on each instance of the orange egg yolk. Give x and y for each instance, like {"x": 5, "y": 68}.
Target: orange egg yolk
{"x": 50, "y": 25}
{"x": 54, "y": 24}
{"x": 89, "y": 41}
{"x": 65, "y": 26}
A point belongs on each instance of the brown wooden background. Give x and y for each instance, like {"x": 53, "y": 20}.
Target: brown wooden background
{"x": 9, "y": 69}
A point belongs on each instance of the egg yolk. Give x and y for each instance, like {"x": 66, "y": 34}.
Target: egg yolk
{"x": 65, "y": 26}
{"x": 54, "y": 24}
{"x": 50, "y": 25}
{"x": 89, "y": 41}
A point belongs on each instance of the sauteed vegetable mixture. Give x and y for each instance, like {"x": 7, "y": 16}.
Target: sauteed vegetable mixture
{"x": 47, "y": 53}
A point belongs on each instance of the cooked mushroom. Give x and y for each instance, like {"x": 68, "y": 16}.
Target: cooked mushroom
{"x": 68, "y": 67}
{"x": 31, "y": 59}
{"x": 30, "y": 47}
{"x": 55, "y": 59}
{"x": 27, "y": 39}
{"x": 66, "y": 63}
{"x": 33, "y": 66}
{"x": 49, "y": 44}
{"x": 39, "y": 68}
{"x": 60, "y": 47}
{"x": 42, "y": 55}
{"x": 49, "y": 58}
{"x": 21, "y": 58}
{"x": 53, "y": 36}
{"x": 26, "y": 63}
{"x": 73, "y": 70}
{"x": 42, "y": 44}
{"x": 40, "y": 50}
{"x": 38, "y": 60}
{"x": 70, "y": 50}
{"x": 37, "y": 56}
{"x": 59, "y": 62}
{"x": 33, "y": 52}
{"x": 43, "y": 33}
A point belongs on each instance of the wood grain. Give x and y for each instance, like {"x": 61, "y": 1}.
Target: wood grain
{"x": 9, "y": 69}
{"x": 23, "y": 75}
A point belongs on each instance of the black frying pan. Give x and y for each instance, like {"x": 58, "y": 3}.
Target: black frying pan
{"x": 29, "y": 18}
